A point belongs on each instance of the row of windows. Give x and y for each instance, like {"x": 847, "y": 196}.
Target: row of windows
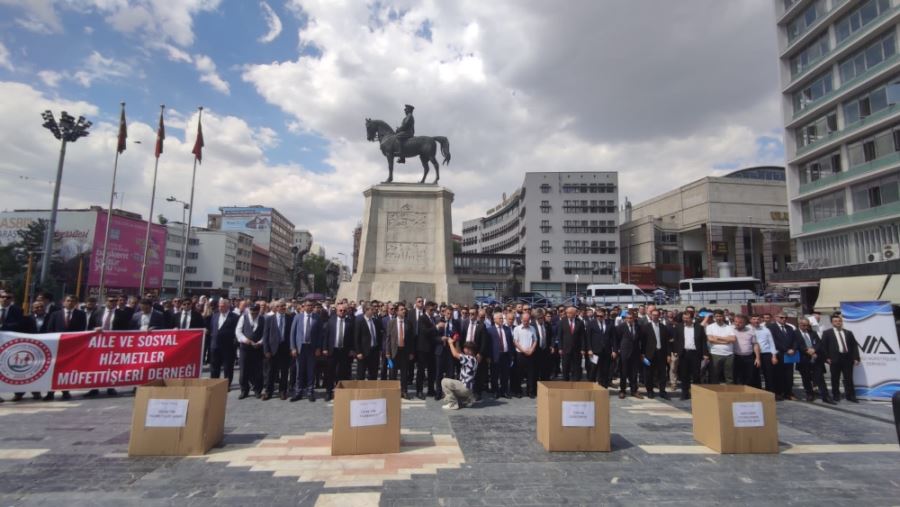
{"x": 581, "y": 188}
{"x": 866, "y": 195}
{"x": 882, "y": 144}
{"x": 502, "y": 217}
{"x": 799, "y": 25}
{"x": 868, "y": 57}
{"x": 823, "y": 207}
{"x": 511, "y": 242}
{"x": 510, "y": 227}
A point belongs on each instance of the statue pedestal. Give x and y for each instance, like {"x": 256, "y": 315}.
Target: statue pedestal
{"x": 405, "y": 250}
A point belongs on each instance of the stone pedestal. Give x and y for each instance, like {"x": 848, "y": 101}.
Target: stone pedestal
{"x": 405, "y": 250}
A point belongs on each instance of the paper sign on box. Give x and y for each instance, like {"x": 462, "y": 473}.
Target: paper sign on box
{"x": 166, "y": 413}
{"x": 578, "y": 414}
{"x": 748, "y": 414}
{"x": 368, "y": 412}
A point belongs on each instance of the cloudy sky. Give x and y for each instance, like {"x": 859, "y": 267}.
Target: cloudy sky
{"x": 663, "y": 92}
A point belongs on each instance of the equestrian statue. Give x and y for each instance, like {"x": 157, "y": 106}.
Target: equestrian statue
{"x": 404, "y": 143}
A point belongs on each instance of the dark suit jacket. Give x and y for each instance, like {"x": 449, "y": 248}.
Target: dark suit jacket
{"x": 315, "y": 330}
{"x": 426, "y": 338}
{"x": 195, "y": 321}
{"x": 571, "y": 342}
{"x": 224, "y": 338}
{"x": 30, "y": 324}
{"x": 157, "y": 321}
{"x": 699, "y": 340}
{"x": 548, "y": 335}
{"x": 831, "y": 349}
{"x": 57, "y": 324}
{"x": 330, "y": 331}
{"x": 494, "y": 334}
{"x": 14, "y": 321}
{"x": 816, "y": 345}
{"x": 453, "y": 327}
{"x": 650, "y": 339}
{"x": 629, "y": 345}
{"x": 393, "y": 337}
{"x": 787, "y": 340}
{"x": 600, "y": 342}
{"x": 362, "y": 336}
{"x": 271, "y": 337}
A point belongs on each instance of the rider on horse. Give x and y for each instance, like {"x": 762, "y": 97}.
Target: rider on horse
{"x": 406, "y": 130}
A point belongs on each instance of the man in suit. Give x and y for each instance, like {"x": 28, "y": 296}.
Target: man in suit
{"x": 501, "y": 348}
{"x": 337, "y": 348}
{"x": 841, "y": 352}
{"x": 103, "y": 319}
{"x": 544, "y": 337}
{"x": 399, "y": 348}
{"x": 368, "y": 338}
{"x": 426, "y": 336}
{"x": 656, "y": 350}
{"x": 36, "y": 323}
{"x": 571, "y": 344}
{"x": 306, "y": 346}
{"x": 812, "y": 362}
{"x": 68, "y": 320}
{"x": 600, "y": 334}
{"x": 628, "y": 347}
{"x": 173, "y": 313}
{"x": 188, "y": 318}
{"x": 127, "y": 310}
{"x": 787, "y": 343}
{"x": 148, "y": 318}
{"x": 91, "y": 312}
{"x": 221, "y": 327}
{"x": 277, "y": 351}
{"x": 249, "y": 331}
{"x": 449, "y": 330}
{"x": 690, "y": 348}
{"x": 11, "y": 317}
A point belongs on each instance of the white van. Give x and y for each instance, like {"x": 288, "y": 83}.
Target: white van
{"x": 615, "y": 294}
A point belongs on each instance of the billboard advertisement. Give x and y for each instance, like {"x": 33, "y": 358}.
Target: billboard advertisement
{"x": 126, "y": 253}
{"x": 256, "y": 222}
{"x": 73, "y": 235}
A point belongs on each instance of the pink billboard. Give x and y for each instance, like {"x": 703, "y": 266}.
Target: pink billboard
{"x": 126, "y": 253}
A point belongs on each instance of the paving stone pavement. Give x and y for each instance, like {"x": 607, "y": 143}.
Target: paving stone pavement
{"x": 74, "y": 453}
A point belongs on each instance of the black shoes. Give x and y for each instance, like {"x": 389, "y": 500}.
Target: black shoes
{"x": 329, "y": 396}
{"x": 296, "y": 397}
{"x": 243, "y": 395}
{"x": 420, "y": 396}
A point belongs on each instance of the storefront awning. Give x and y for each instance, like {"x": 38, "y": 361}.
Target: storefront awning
{"x": 892, "y": 291}
{"x": 795, "y": 284}
{"x": 852, "y": 288}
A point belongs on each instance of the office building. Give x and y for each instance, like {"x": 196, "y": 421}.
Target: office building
{"x": 223, "y": 263}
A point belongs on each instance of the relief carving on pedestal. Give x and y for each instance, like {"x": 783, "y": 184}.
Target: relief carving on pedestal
{"x": 409, "y": 254}
{"x": 407, "y": 236}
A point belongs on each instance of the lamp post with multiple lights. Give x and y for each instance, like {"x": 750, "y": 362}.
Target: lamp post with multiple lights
{"x": 67, "y": 130}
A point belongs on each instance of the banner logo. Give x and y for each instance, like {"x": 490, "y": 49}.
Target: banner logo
{"x": 23, "y": 360}
{"x": 876, "y": 345}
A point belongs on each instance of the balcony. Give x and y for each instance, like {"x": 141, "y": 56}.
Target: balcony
{"x": 852, "y": 173}
{"x": 883, "y": 211}
{"x": 825, "y": 19}
{"x": 848, "y": 129}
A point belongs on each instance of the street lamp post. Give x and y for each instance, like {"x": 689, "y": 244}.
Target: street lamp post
{"x": 68, "y": 130}
{"x": 752, "y": 254}
{"x": 185, "y": 207}
{"x": 347, "y": 268}
{"x": 628, "y": 255}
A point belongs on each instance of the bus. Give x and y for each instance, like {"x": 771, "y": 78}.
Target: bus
{"x": 615, "y": 294}
{"x": 743, "y": 289}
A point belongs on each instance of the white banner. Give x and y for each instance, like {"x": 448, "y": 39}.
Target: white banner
{"x": 872, "y": 323}
{"x": 27, "y": 361}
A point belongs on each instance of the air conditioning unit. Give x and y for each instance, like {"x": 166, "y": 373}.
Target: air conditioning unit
{"x": 890, "y": 251}
{"x": 873, "y": 257}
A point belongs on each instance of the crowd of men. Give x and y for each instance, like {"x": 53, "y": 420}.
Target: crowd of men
{"x": 288, "y": 349}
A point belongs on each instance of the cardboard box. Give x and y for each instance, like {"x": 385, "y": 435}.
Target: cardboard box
{"x": 734, "y": 419}
{"x": 366, "y": 417}
{"x": 178, "y": 417}
{"x": 573, "y": 416}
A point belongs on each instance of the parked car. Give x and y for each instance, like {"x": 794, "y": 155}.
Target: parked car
{"x": 487, "y": 301}
{"x": 534, "y": 299}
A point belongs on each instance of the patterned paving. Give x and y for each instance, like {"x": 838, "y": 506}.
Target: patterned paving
{"x": 27, "y": 408}
{"x": 308, "y": 457}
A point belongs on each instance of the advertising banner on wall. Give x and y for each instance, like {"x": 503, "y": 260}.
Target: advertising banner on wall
{"x": 256, "y": 222}
{"x": 73, "y": 235}
{"x": 873, "y": 325}
{"x": 126, "y": 252}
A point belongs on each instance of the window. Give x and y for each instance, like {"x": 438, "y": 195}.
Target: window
{"x": 824, "y": 207}
{"x": 545, "y": 246}
{"x": 545, "y": 206}
{"x": 875, "y": 147}
{"x": 820, "y": 167}
{"x": 871, "y": 102}
{"x": 868, "y": 57}
{"x": 810, "y": 54}
{"x": 856, "y": 20}
{"x": 545, "y": 226}
{"x": 806, "y": 19}
{"x": 813, "y": 92}
{"x": 872, "y": 194}
{"x": 819, "y": 128}
{"x": 545, "y": 188}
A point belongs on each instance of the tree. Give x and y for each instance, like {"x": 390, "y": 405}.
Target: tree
{"x": 14, "y": 261}
{"x": 317, "y": 266}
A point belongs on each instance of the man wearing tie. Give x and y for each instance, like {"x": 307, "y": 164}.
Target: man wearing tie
{"x": 68, "y": 320}
{"x": 222, "y": 341}
{"x": 501, "y": 348}
{"x": 787, "y": 343}
{"x": 148, "y": 318}
{"x": 841, "y": 352}
{"x": 338, "y": 349}
{"x": 473, "y": 330}
{"x": 188, "y": 318}
{"x": 656, "y": 350}
{"x": 277, "y": 351}
{"x": 812, "y": 363}
{"x": 448, "y": 327}
{"x": 11, "y": 316}
{"x": 629, "y": 348}
{"x": 367, "y": 338}
{"x": 571, "y": 344}
{"x": 426, "y": 337}
{"x": 690, "y": 349}
{"x": 599, "y": 345}
{"x": 306, "y": 346}
{"x": 543, "y": 334}
{"x": 399, "y": 349}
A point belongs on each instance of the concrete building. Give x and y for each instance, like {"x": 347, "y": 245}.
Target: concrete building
{"x": 270, "y": 230}
{"x": 303, "y": 240}
{"x": 174, "y": 248}
{"x": 740, "y": 218}
{"x": 317, "y": 249}
{"x": 840, "y": 80}
{"x": 259, "y": 272}
{"x": 564, "y": 223}
{"x": 223, "y": 264}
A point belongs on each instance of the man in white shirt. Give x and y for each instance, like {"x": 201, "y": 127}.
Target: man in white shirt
{"x": 249, "y": 332}
{"x": 525, "y": 343}
{"x": 721, "y": 338}
{"x": 768, "y": 355}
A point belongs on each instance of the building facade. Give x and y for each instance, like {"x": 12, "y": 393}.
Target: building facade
{"x": 223, "y": 265}
{"x": 564, "y": 223}
{"x": 740, "y": 219}
{"x": 259, "y": 272}
{"x": 840, "y": 80}
{"x": 174, "y": 249}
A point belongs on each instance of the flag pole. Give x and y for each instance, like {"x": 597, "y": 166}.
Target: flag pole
{"x": 187, "y": 236}
{"x": 112, "y": 194}
{"x": 150, "y": 217}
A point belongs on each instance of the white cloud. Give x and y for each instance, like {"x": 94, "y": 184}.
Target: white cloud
{"x": 50, "y": 78}
{"x": 157, "y": 19}
{"x": 208, "y": 74}
{"x": 100, "y": 68}
{"x": 173, "y": 53}
{"x": 88, "y": 30}
{"x": 272, "y": 21}
{"x": 39, "y": 15}
{"x": 4, "y": 58}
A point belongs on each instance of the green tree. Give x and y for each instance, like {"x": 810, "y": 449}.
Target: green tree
{"x": 317, "y": 266}
{"x": 14, "y": 262}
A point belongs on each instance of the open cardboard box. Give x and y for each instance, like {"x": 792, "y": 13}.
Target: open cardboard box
{"x": 573, "y": 416}
{"x": 734, "y": 419}
{"x": 366, "y": 417}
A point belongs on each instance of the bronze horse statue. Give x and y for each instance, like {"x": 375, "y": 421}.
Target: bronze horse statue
{"x": 423, "y": 147}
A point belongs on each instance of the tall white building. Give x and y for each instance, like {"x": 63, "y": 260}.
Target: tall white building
{"x": 222, "y": 265}
{"x": 840, "y": 80}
